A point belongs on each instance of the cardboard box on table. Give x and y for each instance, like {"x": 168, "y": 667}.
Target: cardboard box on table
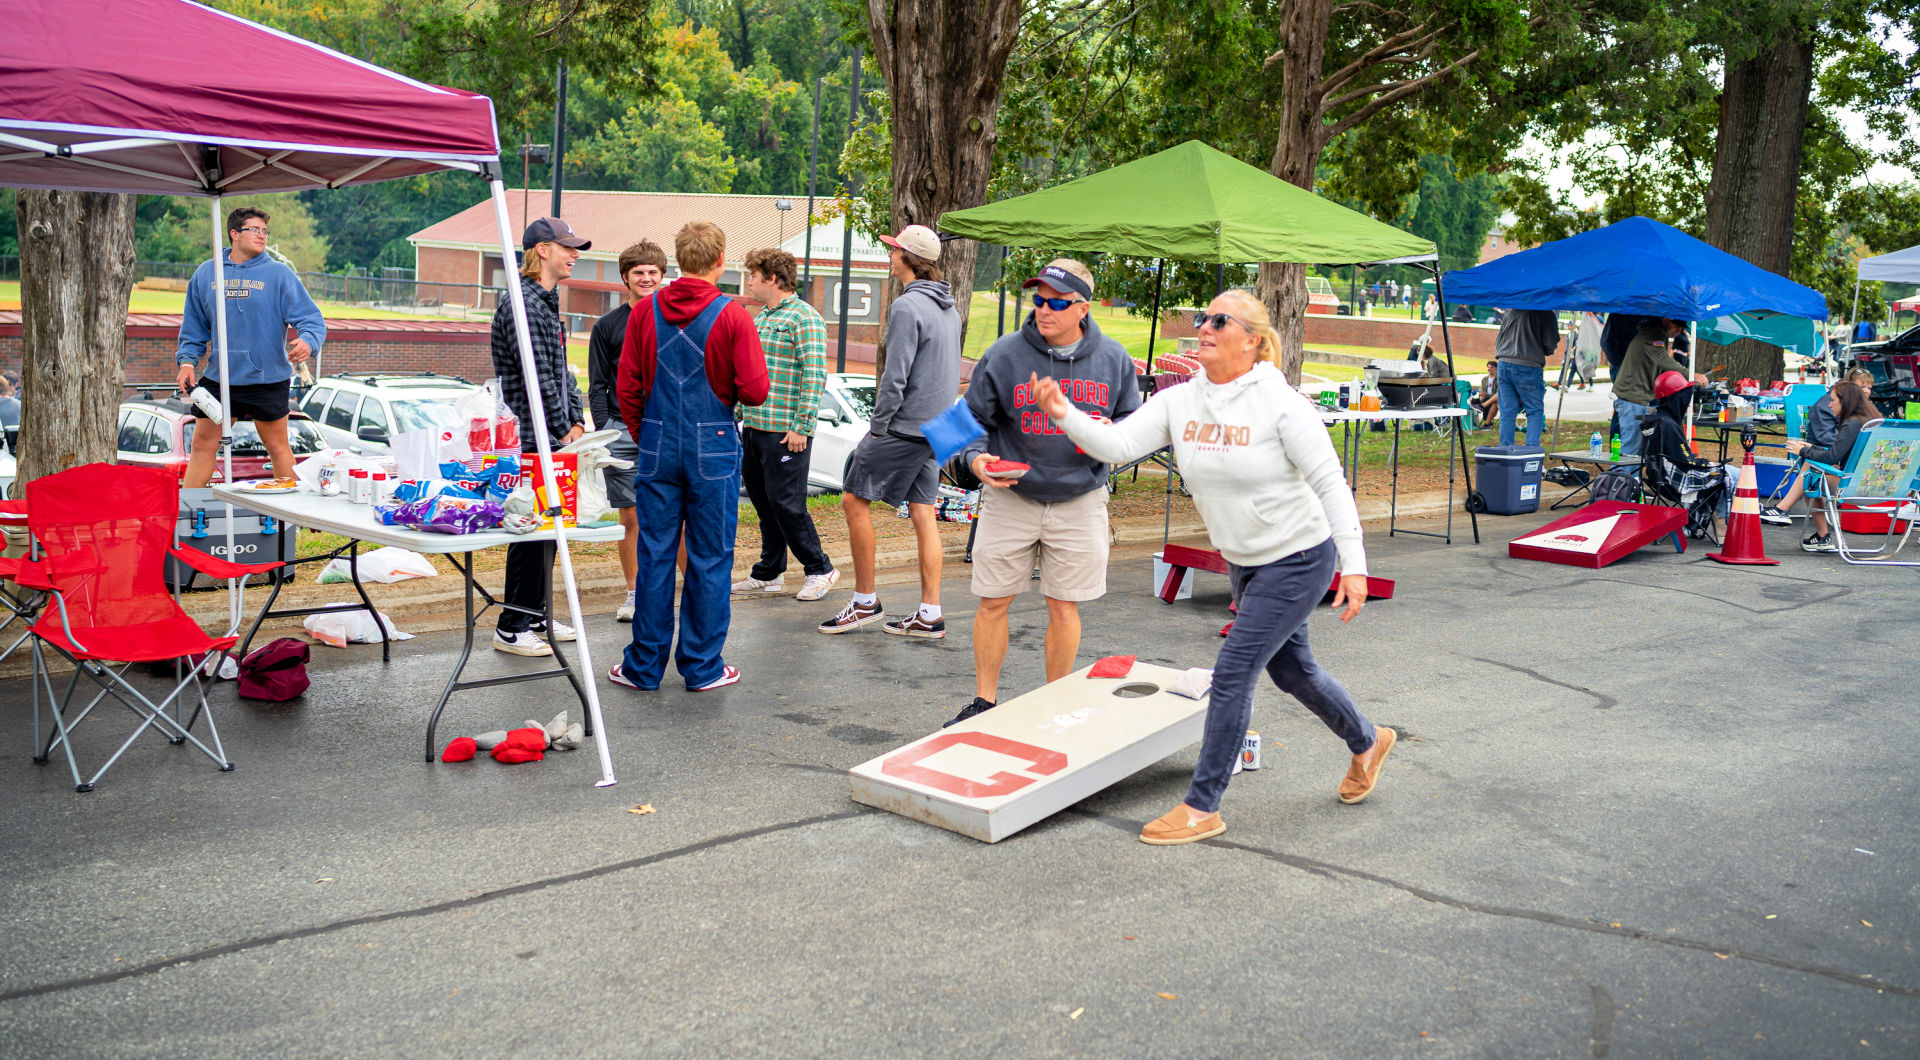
{"x": 1034, "y": 755}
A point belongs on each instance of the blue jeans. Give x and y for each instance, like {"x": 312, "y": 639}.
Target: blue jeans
{"x": 1270, "y": 633}
{"x": 1631, "y": 417}
{"x": 1522, "y": 387}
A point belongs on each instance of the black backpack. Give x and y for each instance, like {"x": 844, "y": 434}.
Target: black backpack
{"x": 1617, "y": 484}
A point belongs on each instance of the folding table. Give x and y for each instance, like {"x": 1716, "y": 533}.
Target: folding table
{"x": 357, "y": 523}
{"x": 1350, "y": 446}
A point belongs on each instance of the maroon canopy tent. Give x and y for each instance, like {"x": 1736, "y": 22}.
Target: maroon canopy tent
{"x": 167, "y": 97}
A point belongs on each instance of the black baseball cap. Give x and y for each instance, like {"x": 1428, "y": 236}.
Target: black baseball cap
{"x": 1060, "y": 280}
{"x": 552, "y": 230}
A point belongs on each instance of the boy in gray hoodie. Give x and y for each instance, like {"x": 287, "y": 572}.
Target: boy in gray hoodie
{"x": 1055, "y": 513}
{"x": 894, "y": 463}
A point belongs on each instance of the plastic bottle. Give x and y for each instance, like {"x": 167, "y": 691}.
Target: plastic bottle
{"x": 382, "y": 488}
{"x": 359, "y": 487}
{"x": 1593, "y": 445}
{"x": 1614, "y": 451}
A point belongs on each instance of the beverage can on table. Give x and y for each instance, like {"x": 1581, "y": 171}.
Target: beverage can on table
{"x": 1250, "y": 750}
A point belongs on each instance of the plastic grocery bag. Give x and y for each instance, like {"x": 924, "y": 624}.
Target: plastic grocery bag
{"x": 341, "y": 628}
{"x": 416, "y": 453}
{"x": 383, "y": 565}
{"x": 594, "y": 461}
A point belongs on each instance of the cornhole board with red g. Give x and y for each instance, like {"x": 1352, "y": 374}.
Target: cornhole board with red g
{"x": 1033, "y": 756}
{"x": 1180, "y": 559}
{"x": 1601, "y": 533}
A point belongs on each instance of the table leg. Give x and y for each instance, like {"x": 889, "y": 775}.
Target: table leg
{"x": 1393, "y": 497}
{"x": 353, "y": 566}
{"x": 466, "y": 646}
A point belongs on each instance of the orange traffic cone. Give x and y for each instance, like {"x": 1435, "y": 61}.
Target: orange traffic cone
{"x": 1743, "y": 522}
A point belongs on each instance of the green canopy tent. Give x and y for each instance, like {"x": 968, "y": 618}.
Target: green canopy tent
{"x": 1189, "y": 203}
{"x": 1194, "y": 203}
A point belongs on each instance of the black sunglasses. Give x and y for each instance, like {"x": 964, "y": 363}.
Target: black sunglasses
{"x": 1055, "y": 304}
{"x": 1215, "y": 320}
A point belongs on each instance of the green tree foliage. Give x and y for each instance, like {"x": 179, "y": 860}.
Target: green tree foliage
{"x": 180, "y": 228}
{"x": 662, "y": 145}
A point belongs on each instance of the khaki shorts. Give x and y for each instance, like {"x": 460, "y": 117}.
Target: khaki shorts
{"x": 1068, "y": 539}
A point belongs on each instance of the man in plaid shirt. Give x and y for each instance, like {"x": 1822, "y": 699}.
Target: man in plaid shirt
{"x": 777, "y": 436}
{"x": 551, "y": 246}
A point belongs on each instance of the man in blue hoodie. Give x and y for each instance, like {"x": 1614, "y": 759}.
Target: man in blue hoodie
{"x": 264, "y": 299}
{"x": 1055, "y": 513}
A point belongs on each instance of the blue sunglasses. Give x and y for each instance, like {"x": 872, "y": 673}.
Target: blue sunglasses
{"x": 1055, "y": 304}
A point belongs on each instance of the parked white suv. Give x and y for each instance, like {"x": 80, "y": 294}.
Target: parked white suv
{"x": 360, "y": 411}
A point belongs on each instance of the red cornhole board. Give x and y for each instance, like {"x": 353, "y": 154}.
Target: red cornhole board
{"x": 1601, "y": 533}
{"x": 1183, "y": 558}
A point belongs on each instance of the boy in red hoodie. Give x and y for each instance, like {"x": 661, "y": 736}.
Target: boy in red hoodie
{"x": 691, "y": 354}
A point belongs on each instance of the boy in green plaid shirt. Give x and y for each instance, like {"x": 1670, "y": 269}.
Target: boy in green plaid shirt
{"x": 777, "y": 437}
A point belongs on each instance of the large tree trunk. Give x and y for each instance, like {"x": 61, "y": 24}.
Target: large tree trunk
{"x": 76, "y": 272}
{"x": 1755, "y": 189}
{"x": 944, "y": 63}
{"x": 1303, "y": 136}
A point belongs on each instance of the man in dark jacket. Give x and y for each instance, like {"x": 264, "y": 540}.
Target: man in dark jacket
{"x": 642, "y": 266}
{"x": 691, "y": 355}
{"x": 1056, "y": 513}
{"x": 1526, "y": 339}
{"x": 550, "y": 248}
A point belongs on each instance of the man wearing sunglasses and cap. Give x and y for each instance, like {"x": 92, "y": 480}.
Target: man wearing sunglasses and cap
{"x": 1055, "y": 513}
{"x": 550, "y": 247}
{"x": 894, "y": 462}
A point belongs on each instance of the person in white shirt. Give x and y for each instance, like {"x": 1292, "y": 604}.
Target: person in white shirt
{"x": 1265, "y": 479}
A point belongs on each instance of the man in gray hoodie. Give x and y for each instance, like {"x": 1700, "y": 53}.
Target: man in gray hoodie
{"x": 1055, "y": 512}
{"x": 894, "y": 463}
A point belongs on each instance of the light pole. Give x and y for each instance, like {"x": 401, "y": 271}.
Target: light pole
{"x": 813, "y": 174}
{"x": 783, "y": 205}
{"x": 846, "y": 221}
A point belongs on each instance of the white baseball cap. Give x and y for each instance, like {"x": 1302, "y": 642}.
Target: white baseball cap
{"x": 918, "y": 240}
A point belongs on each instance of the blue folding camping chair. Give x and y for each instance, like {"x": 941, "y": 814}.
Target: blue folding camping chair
{"x": 1880, "y": 485}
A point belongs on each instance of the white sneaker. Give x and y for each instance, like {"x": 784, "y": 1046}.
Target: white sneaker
{"x": 818, "y": 585}
{"x": 561, "y": 631}
{"x": 761, "y": 586}
{"x": 625, "y": 613}
{"x": 521, "y": 643}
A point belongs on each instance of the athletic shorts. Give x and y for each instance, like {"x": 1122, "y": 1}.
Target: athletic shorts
{"x": 894, "y": 469}
{"x": 619, "y": 482}
{"x": 1066, "y": 539}
{"x": 261, "y": 402}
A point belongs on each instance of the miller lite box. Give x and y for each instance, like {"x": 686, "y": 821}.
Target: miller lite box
{"x": 202, "y": 526}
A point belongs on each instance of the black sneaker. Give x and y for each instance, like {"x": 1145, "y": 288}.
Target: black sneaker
{"x": 915, "y": 625}
{"x": 1775, "y": 517}
{"x": 853, "y": 616}
{"x": 1819, "y": 543}
{"x": 978, "y": 706}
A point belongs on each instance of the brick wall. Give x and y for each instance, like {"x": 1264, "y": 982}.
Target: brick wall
{"x": 1472, "y": 340}
{"x": 459, "y": 352}
{"x": 444, "y": 265}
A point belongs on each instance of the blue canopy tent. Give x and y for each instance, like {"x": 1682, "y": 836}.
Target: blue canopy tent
{"x": 1635, "y": 266}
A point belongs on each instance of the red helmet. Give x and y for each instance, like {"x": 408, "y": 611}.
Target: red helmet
{"x": 1669, "y": 383}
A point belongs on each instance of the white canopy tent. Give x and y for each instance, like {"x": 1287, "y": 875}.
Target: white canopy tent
{"x": 118, "y": 96}
{"x": 1901, "y": 266}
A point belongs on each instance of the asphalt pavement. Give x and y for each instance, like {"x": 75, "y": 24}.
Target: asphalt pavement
{"x": 1660, "y": 809}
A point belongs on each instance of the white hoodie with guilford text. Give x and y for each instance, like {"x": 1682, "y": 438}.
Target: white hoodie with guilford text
{"x": 1256, "y": 458}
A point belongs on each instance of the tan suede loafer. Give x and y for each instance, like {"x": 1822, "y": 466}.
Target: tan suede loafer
{"x": 1174, "y": 829}
{"x": 1364, "y": 773}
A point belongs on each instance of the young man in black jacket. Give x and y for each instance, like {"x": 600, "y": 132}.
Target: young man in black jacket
{"x": 642, "y": 267}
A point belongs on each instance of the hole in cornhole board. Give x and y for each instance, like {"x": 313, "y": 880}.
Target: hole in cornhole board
{"x": 1136, "y": 690}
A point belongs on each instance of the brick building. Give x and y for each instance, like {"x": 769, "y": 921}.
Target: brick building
{"x": 449, "y": 347}
{"x": 465, "y": 248}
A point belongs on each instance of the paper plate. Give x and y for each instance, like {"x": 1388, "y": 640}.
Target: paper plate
{"x": 260, "y": 486}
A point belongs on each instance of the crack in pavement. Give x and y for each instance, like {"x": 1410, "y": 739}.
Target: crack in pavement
{"x": 1305, "y": 864}
{"x": 1836, "y": 592}
{"x": 435, "y": 908}
{"x": 1606, "y": 702}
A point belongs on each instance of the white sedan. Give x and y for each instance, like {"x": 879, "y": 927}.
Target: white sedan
{"x": 845, "y": 409}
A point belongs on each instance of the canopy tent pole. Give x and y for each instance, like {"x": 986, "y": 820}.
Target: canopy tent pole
{"x": 1153, "y": 323}
{"x": 1446, "y": 342}
{"x": 236, "y": 587}
{"x": 589, "y": 678}
{"x": 1853, "y": 323}
{"x": 1693, "y": 369}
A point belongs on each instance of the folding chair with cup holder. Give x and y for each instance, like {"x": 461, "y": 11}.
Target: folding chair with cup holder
{"x": 1800, "y": 399}
{"x": 1878, "y": 492}
{"x": 1699, "y": 492}
{"x": 102, "y": 535}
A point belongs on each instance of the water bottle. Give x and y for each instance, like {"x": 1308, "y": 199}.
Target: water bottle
{"x": 1594, "y": 445}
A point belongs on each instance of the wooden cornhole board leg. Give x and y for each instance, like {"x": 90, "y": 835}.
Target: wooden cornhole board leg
{"x": 1182, "y": 558}
{"x": 1034, "y": 755}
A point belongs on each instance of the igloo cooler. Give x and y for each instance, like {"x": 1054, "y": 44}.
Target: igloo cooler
{"x": 1508, "y": 480}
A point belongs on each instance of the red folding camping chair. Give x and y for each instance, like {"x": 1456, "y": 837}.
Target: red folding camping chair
{"x": 102, "y": 535}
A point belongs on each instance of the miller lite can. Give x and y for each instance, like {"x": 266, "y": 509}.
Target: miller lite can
{"x": 1250, "y": 750}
